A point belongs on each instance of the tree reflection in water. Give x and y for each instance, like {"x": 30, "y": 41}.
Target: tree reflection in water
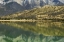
{"x": 31, "y": 32}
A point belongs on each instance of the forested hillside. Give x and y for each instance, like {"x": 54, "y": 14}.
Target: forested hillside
{"x": 46, "y": 12}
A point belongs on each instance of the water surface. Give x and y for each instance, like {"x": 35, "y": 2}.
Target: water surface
{"x": 40, "y": 31}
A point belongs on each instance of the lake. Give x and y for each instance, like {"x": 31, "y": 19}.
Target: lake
{"x": 38, "y": 31}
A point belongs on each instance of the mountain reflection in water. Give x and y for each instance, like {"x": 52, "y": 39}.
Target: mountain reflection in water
{"x": 41, "y": 31}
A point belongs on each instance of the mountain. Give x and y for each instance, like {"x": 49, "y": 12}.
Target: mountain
{"x": 55, "y": 2}
{"x": 34, "y": 3}
{"x": 46, "y": 12}
{"x": 12, "y": 6}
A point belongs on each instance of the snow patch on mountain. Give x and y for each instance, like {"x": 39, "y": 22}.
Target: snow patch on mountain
{"x": 33, "y": 2}
{"x": 1, "y": 1}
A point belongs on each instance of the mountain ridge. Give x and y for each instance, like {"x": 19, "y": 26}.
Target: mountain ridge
{"x": 21, "y": 5}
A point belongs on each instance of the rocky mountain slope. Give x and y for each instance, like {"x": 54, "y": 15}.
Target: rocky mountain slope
{"x": 10, "y": 8}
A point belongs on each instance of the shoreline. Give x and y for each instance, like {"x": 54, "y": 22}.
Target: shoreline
{"x": 31, "y": 20}
{"x": 19, "y": 20}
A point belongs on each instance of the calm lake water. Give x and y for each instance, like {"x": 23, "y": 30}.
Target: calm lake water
{"x": 40, "y": 31}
